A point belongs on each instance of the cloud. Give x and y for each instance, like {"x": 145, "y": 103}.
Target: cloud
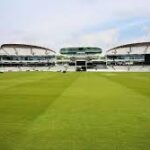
{"x": 103, "y": 39}
{"x": 55, "y": 24}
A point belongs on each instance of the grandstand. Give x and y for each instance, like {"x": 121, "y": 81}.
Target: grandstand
{"x": 82, "y": 58}
{"x": 130, "y": 57}
{"x": 20, "y": 57}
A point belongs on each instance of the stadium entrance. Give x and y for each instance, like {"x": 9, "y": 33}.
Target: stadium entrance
{"x": 81, "y": 65}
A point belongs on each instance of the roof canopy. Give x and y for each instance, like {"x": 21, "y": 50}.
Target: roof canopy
{"x": 132, "y": 45}
{"x": 25, "y": 46}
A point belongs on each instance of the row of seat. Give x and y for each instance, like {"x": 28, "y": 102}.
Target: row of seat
{"x": 72, "y": 69}
{"x": 52, "y": 68}
{"x": 129, "y": 68}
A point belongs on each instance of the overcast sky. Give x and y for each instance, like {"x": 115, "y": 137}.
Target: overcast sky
{"x": 63, "y": 23}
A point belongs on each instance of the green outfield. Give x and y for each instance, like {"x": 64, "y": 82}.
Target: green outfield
{"x": 74, "y": 111}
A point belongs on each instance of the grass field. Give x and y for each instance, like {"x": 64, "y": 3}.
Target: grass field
{"x": 74, "y": 111}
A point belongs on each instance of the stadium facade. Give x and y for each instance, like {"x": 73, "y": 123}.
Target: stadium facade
{"x": 130, "y": 57}
{"x": 82, "y": 58}
{"x": 20, "y": 57}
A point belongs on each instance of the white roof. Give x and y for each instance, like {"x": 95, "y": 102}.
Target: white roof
{"x": 24, "y": 50}
{"x": 137, "y": 48}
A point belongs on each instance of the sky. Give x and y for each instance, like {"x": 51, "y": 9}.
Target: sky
{"x": 66, "y": 23}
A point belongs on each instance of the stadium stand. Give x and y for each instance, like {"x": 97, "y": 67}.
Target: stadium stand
{"x": 20, "y": 57}
{"x": 130, "y": 57}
